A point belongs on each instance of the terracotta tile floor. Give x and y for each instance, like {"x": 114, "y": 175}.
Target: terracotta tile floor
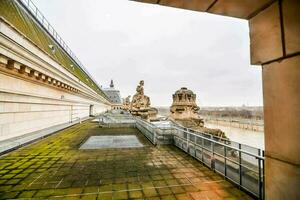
{"x": 55, "y": 168}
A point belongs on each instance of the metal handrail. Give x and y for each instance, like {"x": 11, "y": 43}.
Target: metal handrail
{"x": 183, "y": 141}
{"x": 246, "y": 169}
{"x": 144, "y": 123}
{"x": 179, "y": 125}
{"x": 39, "y": 17}
{"x": 260, "y": 159}
{"x": 231, "y": 147}
{"x": 203, "y": 133}
{"x": 216, "y": 153}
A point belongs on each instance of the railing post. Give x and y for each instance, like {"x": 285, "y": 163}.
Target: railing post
{"x": 202, "y": 144}
{"x": 213, "y": 156}
{"x": 225, "y": 161}
{"x": 263, "y": 175}
{"x": 240, "y": 163}
{"x": 154, "y": 136}
{"x": 259, "y": 177}
{"x": 187, "y": 141}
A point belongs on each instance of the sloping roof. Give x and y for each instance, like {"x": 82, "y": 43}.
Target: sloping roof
{"x": 113, "y": 95}
{"x": 16, "y": 15}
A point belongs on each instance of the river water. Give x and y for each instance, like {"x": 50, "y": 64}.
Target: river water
{"x": 243, "y": 136}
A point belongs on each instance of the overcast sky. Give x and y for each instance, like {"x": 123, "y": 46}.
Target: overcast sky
{"x": 168, "y": 48}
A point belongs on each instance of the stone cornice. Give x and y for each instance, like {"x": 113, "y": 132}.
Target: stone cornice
{"x": 18, "y": 60}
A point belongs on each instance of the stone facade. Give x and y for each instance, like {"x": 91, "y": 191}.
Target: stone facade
{"x": 36, "y": 92}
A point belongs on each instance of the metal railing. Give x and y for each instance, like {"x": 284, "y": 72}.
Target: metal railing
{"x": 148, "y": 130}
{"x": 239, "y": 163}
{"x": 39, "y": 17}
{"x": 234, "y": 163}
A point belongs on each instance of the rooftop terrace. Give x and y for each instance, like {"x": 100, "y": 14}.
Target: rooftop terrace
{"x": 56, "y": 168}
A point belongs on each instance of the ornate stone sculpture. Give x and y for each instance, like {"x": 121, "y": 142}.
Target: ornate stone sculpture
{"x": 140, "y": 104}
{"x": 184, "y": 111}
{"x": 126, "y": 103}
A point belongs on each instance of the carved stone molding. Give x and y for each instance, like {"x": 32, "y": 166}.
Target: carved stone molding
{"x": 11, "y": 66}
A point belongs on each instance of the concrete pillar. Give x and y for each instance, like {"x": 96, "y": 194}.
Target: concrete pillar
{"x": 275, "y": 44}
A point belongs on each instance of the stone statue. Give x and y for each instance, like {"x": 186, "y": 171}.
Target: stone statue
{"x": 140, "y": 104}
{"x": 140, "y": 88}
{"x": 126, "y": 103}
{"x": 139, "y": 100}
{"x": 184, "y": 111}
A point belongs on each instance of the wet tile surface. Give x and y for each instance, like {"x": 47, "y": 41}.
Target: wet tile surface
{"x": 55, "y": 168}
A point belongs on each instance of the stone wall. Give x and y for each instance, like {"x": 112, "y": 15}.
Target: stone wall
{"x": 36, "y": 92}
{"x": 275, "y": 44}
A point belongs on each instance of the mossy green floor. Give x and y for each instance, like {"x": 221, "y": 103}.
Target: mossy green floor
{"x": 54, "y": 168}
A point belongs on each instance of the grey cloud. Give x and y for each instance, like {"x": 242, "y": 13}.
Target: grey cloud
{"x": 168, "y": 48}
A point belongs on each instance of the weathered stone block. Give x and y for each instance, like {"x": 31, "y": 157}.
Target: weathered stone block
{"x": 148, "y": 1}
{"x": 23, "y": 69}
{"x": 238, "y": 8}
{"x": 281, "y": 92}
{"x": 13, "y": 65}
{"x": 198, "y": 5}
{"x": 291, "y": 19}
{"x": 43, "y": 77}
{"x": 265, "y": 35}
{"x": 282, "y": 180}
{"x": 3, "y": 60}
{"x": 36, "y": 73}
{"x": 27, "y": 69}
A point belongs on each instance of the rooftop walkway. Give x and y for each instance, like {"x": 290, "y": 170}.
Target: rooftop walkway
{"x": 55, "y": 168}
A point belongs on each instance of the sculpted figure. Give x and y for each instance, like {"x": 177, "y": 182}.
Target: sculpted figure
{"x": 140, "y": 104}
{"x": 140, "y": 88}
{"x": 139, "y": 100}
{"x": 127, "y": 100}
{"x": 126, "y": 103}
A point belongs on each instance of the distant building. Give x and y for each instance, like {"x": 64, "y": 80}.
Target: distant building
{"x": 113, "y": 95}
